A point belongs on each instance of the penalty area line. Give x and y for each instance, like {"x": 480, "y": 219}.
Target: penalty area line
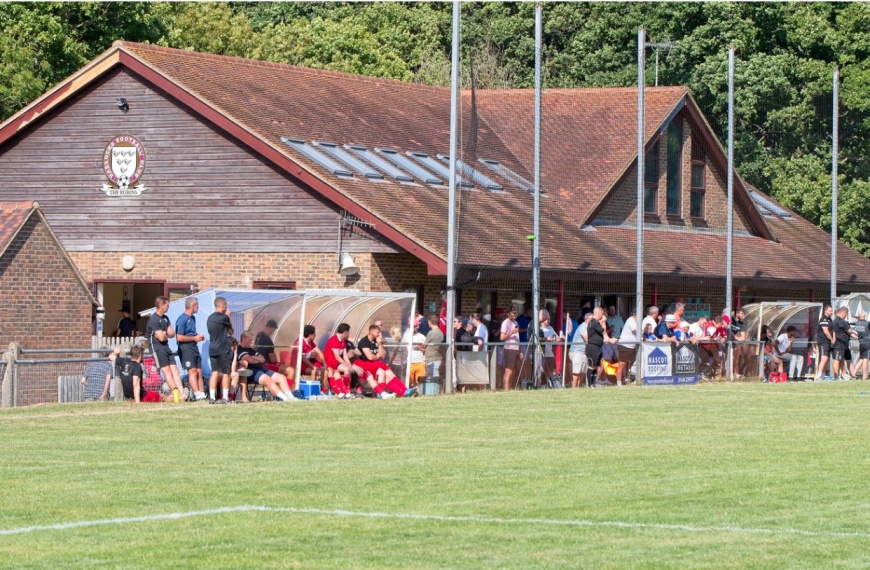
{"x": 441, "y": 518}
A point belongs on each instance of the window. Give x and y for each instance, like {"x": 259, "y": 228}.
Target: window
{"x": 651, "y": 180}
{"x": 346, "y": 158}
{"x": 407, "y": 164}
{"x": 437, "y": 167}
{"x": 478, "y": 177}
{"x": 675, "y": 155}
{"x": 282, "y": 285}
{"x": 508, "y": 174}
{"x": 699, "y": 179}
{"x": 317, "y": 157}
{"x": 379, "y": 162}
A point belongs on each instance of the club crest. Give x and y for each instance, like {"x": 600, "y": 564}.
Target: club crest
{"x": 123, "y": 165}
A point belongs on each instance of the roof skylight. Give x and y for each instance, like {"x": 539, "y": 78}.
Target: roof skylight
{"x": 476, "y": 176}
{"x": 317, "y": 156}
{"x": 378, "y": 162}
{"x": 433, "y": 164}
{"x": 765, "y": 204}
{"x": 348, "y": 159}
{"x": 508, "y": 174}
{"x": 404, "y": 162}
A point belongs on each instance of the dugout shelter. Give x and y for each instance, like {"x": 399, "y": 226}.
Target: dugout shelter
{"x": 778, "y": 316}
{"x": 251, "y": 309}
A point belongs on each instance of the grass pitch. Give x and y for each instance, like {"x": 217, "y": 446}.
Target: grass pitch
{"x": 714, "y": 476}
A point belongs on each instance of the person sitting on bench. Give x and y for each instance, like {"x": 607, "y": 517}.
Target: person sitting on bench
{"x": 251, "y": 359}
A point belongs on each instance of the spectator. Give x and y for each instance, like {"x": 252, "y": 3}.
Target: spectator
{"x": 652, "y": 312}
{"x": 577, "y": 352}
{"x": 824, "y": 341}
{"x": 510, "y": 335}
{"x": 785, "y": 348}
{"x": 126, "y": 326}
{"x": 648, "y": 333}
{"x": 666, "y": 329}
{"x": 461, "y": 338}
{"x": 524, "y": 321}
{"x": 842, "y": 331}
{"x": 263, "y": 343}
{"x": 627, "y": 349}
{"x": 548, "y": 336}
{"x": 250, "y": 358}
{"x": 130, "y": 372}
{"x": 188, "y": 350}
{"x": 97, "y": 379}
{"x": 615, "y": 321}
{"x": 423, "y": 326}
{"x": 596, "y": 336}
{"x": 698, "y": 329}
{"x": 418, "y": 359}
{"x": 480, "y": 332}
{"x": 740, "y": 351}
{"x": 681, "y": 333}
{"x": 159, "y": 332}
{"x": 862, "y": 329}
{"x": 586, "y": 307}
{"x": 433, "y": 351}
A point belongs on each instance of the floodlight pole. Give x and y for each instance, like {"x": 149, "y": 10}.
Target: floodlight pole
{"x": 641, "y": 168}
{"x": 834, "y": 151}
{"x": 536, "y": 240}
{"x": 451, "y": 209}
{"x": 729, "y": 176}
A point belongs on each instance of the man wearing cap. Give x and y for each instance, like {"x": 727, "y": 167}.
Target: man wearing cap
{"x": 665, "y": 330}
{"x": 266, "y": 347}
{"x": 188, "y": 351}
{"x": 126, "y": 326}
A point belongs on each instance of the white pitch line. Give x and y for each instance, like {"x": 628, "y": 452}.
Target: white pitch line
{"x": 442, "y": 518}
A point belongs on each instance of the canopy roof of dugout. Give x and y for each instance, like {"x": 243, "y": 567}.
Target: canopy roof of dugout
{"x": 252, "y": 309}
{"x": 778, "y": 316}
{"x": 855, "y": 302}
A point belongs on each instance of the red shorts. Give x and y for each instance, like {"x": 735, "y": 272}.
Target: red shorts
{"x": 149, "y": 396}
{"x": 306, "y": 368}
{"x": 372, "y": 366}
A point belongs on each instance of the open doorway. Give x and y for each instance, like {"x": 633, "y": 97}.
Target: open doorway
{"x": 134, "y": 296}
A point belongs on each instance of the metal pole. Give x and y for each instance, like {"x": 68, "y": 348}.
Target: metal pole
{"x": 451, "y": 209}
{"x": 641, "y": 167}
{"x": 729, "y": 285}
{"x": 657, "y": 67}
{"x": 536, "y": 240}
{"x": 834, "y": 152}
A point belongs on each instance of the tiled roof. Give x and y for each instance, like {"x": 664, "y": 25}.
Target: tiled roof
{"x": 589, "y": 143}
{"x": 12, "y": 218}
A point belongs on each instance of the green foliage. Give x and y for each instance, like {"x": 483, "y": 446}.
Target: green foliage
{"x": 785, "y": 55}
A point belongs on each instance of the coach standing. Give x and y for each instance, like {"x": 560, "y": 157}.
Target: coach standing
{"x": 188, "y": 351}
{"x": 220, "y": 329}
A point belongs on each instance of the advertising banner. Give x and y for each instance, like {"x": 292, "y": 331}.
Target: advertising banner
{"x": 666, "y": 364}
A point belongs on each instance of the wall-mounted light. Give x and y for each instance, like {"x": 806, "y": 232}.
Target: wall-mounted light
{"x": 346, "y": 264}
{"x": 128, "y": 262}
{"x": 122, "y": 104}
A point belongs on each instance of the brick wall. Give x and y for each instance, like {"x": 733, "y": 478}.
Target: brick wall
{"x": 622, "y": 205}
{"x": 228, "y": 270}
{"x": 42, "y": 304}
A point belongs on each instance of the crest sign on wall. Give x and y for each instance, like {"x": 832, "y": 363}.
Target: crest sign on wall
{"x": 123, "y": 165}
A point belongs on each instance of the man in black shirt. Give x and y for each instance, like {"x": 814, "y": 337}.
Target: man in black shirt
{"x": 737, "y": 336}
{"x": 129, "y": 370}
{"x": 220, "y": 329}
{"x": 824, "y": 340}
{"x": 596, "y": 336}
{"x": 264, "y": 344}
{"x": 842, "y": 331}
{"x": 372, "y": 352}
{"x": 159, "y": 331}
{"x": 125, "y": 325}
